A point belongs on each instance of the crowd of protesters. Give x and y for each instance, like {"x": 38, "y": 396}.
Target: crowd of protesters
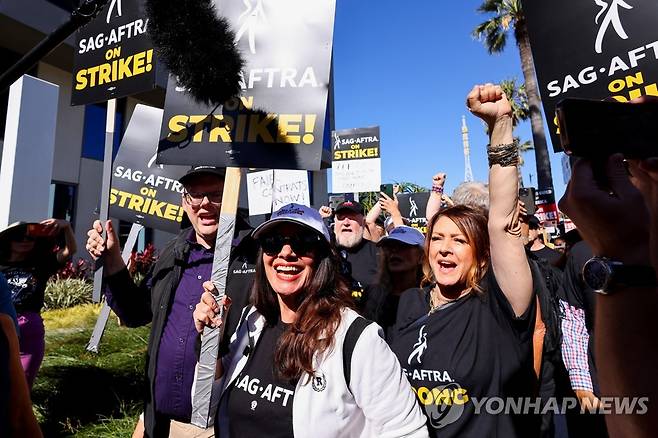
{"x": 340, "y": 323}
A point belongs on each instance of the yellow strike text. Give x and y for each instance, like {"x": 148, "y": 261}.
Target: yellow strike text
{"x": 250, "y": 128}
{"x": 115, "y": 71}
{"x": 356, "y": 154}
{"x": 145, "y": 205}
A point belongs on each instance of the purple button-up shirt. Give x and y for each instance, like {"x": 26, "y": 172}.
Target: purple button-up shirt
{"x": 177, "y": 359}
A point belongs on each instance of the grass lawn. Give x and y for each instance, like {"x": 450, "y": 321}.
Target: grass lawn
{"x": 78, "y": 393}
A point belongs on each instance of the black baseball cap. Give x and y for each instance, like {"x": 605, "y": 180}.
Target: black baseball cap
{"x": 351, "y": 206}
{"x": 202, "y": 170}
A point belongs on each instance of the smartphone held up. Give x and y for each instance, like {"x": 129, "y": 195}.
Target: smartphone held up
{"x": 596, "y": 129}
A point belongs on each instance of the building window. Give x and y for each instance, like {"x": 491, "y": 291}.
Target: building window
{"x": 62, "y": 201}
{"x": 145, "y": 236}
{"x": 93, "y": 137}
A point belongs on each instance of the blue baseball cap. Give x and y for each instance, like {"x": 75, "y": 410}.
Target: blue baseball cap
{"x": 404, "y": 234}
{"x": 296, "y": 214}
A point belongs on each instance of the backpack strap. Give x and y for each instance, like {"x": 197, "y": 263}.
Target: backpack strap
{"x": 243, "y": 316}
{"x": 351, "y": 337}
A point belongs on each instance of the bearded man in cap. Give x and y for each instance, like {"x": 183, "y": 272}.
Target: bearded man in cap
{"x": 166, "y": 299}
{"x": 360, "y": 256}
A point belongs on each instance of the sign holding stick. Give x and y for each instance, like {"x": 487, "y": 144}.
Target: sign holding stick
{"x": 101, "y": 322}
{"x": 202, "y": 411}
{"x": 105, "y": 190}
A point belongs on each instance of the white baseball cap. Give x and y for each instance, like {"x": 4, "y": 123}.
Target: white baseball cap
{"x": 404, "y": 234}
{"x": 296, "y": 214}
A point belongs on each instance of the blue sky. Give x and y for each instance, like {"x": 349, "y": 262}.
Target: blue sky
{"x": 407, "y": 67}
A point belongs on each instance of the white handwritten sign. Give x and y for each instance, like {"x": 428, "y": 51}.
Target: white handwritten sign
{"x": 268, "y": 190}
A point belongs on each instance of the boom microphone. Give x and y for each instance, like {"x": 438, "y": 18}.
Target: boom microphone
{"x": 197, "y": 46}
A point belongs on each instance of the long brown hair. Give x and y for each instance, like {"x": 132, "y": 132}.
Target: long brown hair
{"x": 473, "y": 224}
{"x": 318, "y": 315}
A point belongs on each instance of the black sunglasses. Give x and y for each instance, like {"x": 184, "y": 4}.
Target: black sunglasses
{"x": 301, "y": 244}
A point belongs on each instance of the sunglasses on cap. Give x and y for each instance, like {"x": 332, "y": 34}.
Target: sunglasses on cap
{"x": 301, "y": 244}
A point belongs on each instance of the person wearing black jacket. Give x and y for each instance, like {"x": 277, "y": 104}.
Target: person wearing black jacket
{"x": 166, "y": 299}
{"x": 359, "y": 256}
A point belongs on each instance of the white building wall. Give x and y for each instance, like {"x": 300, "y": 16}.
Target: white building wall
{"x": 70, "y": 125}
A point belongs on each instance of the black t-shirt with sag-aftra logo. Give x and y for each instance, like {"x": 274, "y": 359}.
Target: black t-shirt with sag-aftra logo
{"x": 259, "y": 402}
{"x": 464, "y": 355}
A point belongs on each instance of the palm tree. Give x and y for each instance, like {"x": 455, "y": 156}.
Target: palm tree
{"x": 508, "y": 15}
{"x": 518, "y": 98}
{"x": 409, "y": 187}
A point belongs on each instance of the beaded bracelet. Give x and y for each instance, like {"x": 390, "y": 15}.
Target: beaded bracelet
{"x": 437, "y": 189}
{"x": 505, "y": 155}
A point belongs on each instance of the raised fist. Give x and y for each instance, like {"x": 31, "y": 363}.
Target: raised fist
{"x": 489, "y": 103}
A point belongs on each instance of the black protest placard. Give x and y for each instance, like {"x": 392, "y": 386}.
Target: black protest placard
{"x": 413, "y": 208}
{"x": 143, "y": 192}
{"x": 281, "y": 119}
{"x": 356, "y": 144}
{"x": 592, "y": 49}
{"x": 113, "y": 55}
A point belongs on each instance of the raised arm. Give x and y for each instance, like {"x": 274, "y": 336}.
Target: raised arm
{"x": 508, "y": 258}
{"x": 371, "y": 219}
{"x": 54, "y": 228}
{"x": 436, "y": 195}
{"x": 390, "y": 206}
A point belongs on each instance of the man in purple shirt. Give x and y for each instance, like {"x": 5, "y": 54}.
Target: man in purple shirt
{"x": 166, "y": 298}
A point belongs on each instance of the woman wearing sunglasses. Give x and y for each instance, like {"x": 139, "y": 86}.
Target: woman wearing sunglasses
{"x": 288, "y": 372}
{"x": 28, "y": 258}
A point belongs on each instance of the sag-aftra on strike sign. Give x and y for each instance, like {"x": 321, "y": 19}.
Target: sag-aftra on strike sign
{"x": 113, "y": 55}
{"x": 356, "y": 163}
{"x": 593, "y": 49}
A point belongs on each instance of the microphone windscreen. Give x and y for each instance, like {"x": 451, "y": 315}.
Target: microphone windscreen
{"x": 197, "y": 46}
